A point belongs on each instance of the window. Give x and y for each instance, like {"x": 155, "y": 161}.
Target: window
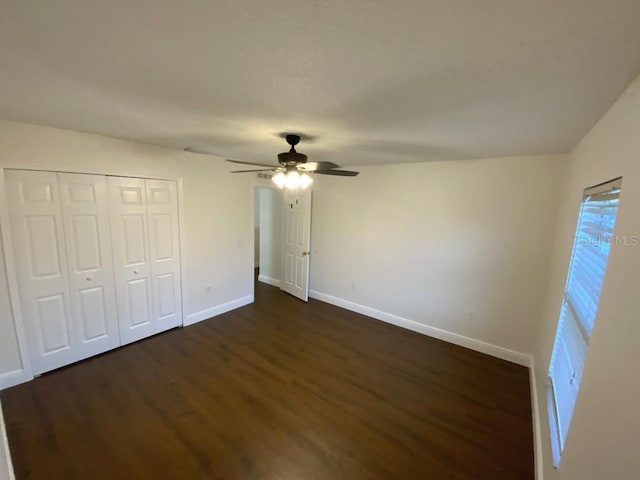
{"x": 594, "y": 235}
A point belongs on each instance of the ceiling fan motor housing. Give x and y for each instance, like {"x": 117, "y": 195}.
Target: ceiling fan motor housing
{"x": 292, "y": 157}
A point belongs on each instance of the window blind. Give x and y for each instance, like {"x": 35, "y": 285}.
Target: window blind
{"x": 592, "y": 243}
{"x": 590, "y": 252}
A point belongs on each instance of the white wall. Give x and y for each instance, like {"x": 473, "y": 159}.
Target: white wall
{"x": 217, "y": 207}
{"x": 432, "y": 242}
{"x": 270, "y": 233}
{"x": 604, "y": 436}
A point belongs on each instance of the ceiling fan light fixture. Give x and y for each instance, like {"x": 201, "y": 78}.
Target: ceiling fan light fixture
{"x": 279, "y": 179}
{"x": 292, "y": 180}
{"x": 305, "y": 180}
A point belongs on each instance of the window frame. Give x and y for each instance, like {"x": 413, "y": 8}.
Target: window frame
{"x": 568, "y": 313}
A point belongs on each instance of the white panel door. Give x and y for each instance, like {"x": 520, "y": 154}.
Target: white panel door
{"x": 85, "y": 213}
{"x": 130, "y": 239}
{"x": 297, "y": 230}
{"x": 37, "y": 228}
{"x": 164, "y": 248}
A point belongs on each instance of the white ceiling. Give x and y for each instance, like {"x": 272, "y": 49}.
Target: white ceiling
{"x": 373, "y": 81}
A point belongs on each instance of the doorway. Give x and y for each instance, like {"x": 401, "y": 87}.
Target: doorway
{"x": 268, "y": 204}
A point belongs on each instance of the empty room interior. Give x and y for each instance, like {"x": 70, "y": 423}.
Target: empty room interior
{"x": 322, "y": 239}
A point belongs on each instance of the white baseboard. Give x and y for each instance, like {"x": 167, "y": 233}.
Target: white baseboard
{"x": 217, "y": 310}
{"x": 477, "y": 345}
{"x": 271, "y": 281}
{"x": 6, "y": 467}
{"x": 15, "y": 377}
{"x": 535, "y": 414}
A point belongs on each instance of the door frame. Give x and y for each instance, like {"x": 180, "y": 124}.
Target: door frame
{"x": 25, "y": 374}
{"x": 255, "y": 186}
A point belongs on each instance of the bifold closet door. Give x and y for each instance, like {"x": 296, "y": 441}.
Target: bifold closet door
{"x": 41, "y": 268}
{"x": 164, "y": 248}
{"x": 60, "y": 228}
{"x": 85, "y": 211}
{"x": 144, "y": 228}
{"x": 130, "y": 238}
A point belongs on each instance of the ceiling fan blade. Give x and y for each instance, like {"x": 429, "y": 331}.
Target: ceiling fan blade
{"x": 340, "y": 173}
{"x": 317, "y": 166}
{"x": 253, "y": 163}
{"x": 256, "y": 170}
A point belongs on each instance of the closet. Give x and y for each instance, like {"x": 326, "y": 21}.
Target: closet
{"x": 97, "y": 261}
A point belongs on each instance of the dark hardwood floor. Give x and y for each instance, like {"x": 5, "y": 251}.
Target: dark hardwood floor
{"x": 276, "y": 390}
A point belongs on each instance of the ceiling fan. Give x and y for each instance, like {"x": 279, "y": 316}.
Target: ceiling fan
{"x": 294, "y": 169}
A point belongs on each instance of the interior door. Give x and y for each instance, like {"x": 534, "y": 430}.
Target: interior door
{"x": 297, "y": 238}
{"x": 164, "y": 248}
{"x": 41, "y": 264}
{"x": 130, "y": 239}
{"x": 85, "y": 213}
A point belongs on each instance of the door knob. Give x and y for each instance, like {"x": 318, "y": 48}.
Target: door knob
{"x": 88, "y": 279}
{"x": 304, "y": 254}
{"x": 135, "y": 272}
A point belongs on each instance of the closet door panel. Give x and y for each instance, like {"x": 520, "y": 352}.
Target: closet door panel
{"x": 41, "y": 268}
{"x": 130, "y": 239}
{"x": 88, "y": 240}
{"x": 162, "y": 207}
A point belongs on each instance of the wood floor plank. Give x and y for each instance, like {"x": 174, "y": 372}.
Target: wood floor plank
{"x": 276, "y": 390}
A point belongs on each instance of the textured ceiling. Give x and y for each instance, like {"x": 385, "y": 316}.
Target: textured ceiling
{"x": 372, "y": 82}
